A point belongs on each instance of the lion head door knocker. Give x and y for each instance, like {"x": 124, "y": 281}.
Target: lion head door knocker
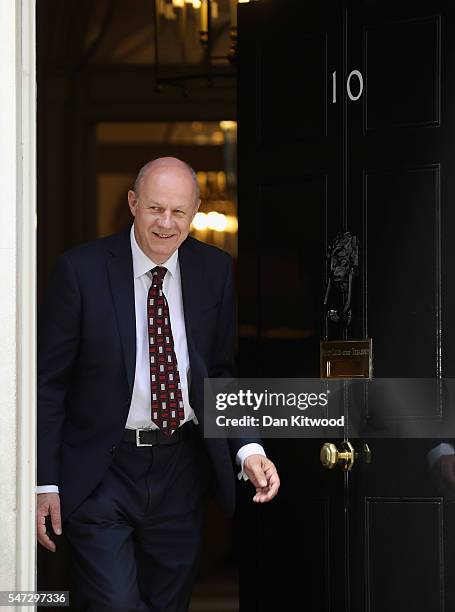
{"x": 343, "y": 358}
{"x": 343, "y": 261}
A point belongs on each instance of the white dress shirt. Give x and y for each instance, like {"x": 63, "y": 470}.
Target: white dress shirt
{"x": 139, "y": 412}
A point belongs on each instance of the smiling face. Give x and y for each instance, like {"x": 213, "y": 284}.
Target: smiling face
{"x": 163, "y": 208}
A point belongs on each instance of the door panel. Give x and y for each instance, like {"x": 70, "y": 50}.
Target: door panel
{"x": 394, "y": 539}
{"x": 383, "y": 168}
{"x": 287, "y": 287}
{"x": 399, "y": 265}
{"x": 403, "y": 66}
{"x": 278, "y": 65}
{"x": 291, "y": 192}
{"x": 399, "y": 171}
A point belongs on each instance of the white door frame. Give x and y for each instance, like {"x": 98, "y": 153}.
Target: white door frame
{"x": 27, "y": 224}
{"x": 17, "y": 295}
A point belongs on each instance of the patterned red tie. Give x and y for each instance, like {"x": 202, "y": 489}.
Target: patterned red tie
{"x": 166, "y": 394}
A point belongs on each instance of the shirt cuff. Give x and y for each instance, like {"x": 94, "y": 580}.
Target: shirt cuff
{"x": 245, "y": 451}
{"x": 47, "y": 489}
{"x": 438, "y": 451}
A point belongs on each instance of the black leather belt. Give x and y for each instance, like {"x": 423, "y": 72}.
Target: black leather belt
{"x": 155, "y": 437}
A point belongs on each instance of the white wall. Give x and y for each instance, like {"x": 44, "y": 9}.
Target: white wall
{"x": 17, "y": 294}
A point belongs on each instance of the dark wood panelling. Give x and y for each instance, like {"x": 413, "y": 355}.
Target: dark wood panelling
{"x": 129, "y": 157}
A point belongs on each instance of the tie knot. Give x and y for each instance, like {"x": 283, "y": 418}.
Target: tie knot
{"x": 158, "y": 274}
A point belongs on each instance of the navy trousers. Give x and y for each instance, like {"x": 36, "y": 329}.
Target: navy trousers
{"x": 135, "y": 541}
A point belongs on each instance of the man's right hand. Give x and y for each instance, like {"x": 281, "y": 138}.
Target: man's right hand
{"x": 48, "y": 504}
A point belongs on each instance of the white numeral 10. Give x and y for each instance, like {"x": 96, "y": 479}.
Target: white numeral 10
{"x": 353, "y": 73}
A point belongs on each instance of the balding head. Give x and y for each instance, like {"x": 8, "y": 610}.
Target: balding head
{"x": 166, "y": 163}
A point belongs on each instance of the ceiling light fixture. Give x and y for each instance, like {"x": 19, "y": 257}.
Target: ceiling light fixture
{"x": 187, "y": 16}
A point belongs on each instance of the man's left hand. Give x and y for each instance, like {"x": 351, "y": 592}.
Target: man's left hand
{"x": 263, "y": 475}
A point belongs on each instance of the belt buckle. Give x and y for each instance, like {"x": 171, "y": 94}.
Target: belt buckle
{"x": 138, "y": 438}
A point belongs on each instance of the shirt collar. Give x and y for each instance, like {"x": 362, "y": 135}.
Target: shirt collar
{"x": 143, "y": 264}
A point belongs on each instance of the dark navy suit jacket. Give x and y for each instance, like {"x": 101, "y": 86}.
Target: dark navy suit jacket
{"x": 87, "y": 356}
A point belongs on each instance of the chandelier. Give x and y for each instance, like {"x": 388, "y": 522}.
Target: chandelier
{"x": 200, "y": 23}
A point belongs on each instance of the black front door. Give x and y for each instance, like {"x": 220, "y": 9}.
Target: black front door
{"x": 346, "y": 123}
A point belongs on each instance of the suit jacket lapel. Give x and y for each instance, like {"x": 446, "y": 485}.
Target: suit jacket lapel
{"x": 193, "y": 294}
{"x": 121, "y": 277}
{"x": 120, "y": 270}
{"x": 190, "y": 274}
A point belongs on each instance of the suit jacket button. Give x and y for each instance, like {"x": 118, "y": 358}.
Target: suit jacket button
{"x": 113, "y": 449}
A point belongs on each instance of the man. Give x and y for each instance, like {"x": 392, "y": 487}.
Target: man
{"x": 133, "y": 324}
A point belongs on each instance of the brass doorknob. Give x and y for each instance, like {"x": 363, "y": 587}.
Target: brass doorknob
{"x": 331, "y": 456}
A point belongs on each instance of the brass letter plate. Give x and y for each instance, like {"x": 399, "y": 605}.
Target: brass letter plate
{"x": 347, "y": 358}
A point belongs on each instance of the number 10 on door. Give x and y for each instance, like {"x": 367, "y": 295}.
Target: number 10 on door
{"x": 354, "y": 74}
